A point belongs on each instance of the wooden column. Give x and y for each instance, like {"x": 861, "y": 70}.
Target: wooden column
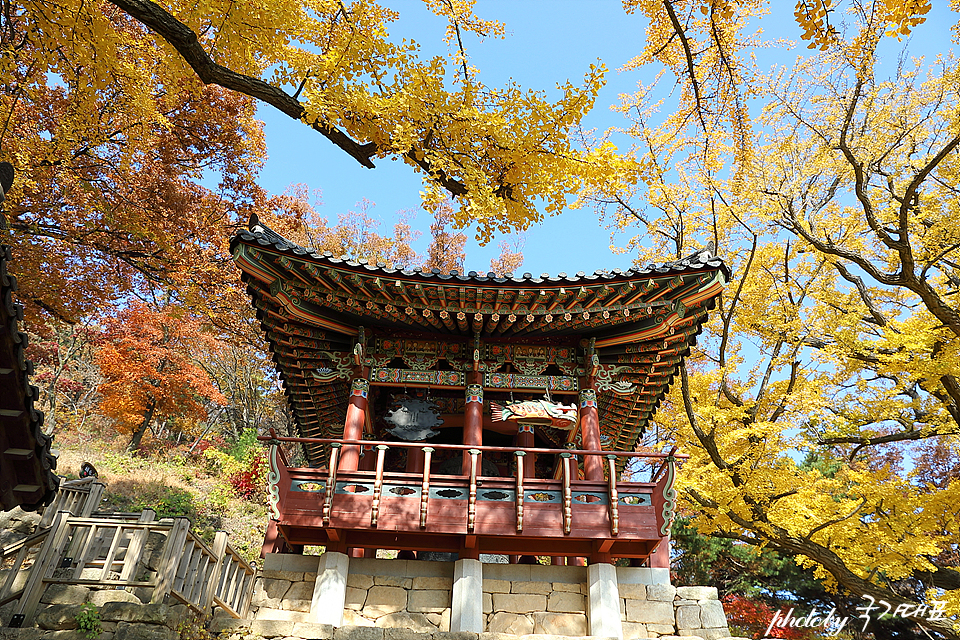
{"x": 368, "y": 459}
{"x": 273, "y": 542}
{"x": 590, "y": 432}
{"x": 473, "y": 420}
{"x": 660, "y": 558}
{"x": 414, "y": 460}
{"x": 353, "y": 426}
{"x": 525, "y": 441}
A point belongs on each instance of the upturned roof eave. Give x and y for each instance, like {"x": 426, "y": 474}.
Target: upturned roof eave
{"x": 259, "y": 233}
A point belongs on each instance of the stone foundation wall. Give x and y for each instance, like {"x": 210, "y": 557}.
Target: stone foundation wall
{"x": 229, "y": 629}
{"x": 517, "y": 599}
{"x": 284, "y": 589}
{"x": 647, "y": 611}
{"x": 118, "y": 621}
{"x": 651, "y": 611}
{"x": 260, "y": 629}
{"x": 403, "y": 594}
{"x": 121, "y": 621}
{"x": 524, "y": 599}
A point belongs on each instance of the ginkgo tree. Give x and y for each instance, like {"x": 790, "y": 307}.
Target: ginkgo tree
{"x": 836, "y": 208}
{"x": 337, "y": 68}
{"x": 137, "y": 151}
{"x": 114, "y": 111}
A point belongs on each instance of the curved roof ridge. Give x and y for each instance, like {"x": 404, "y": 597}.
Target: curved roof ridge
{"x": 704, "y": 258}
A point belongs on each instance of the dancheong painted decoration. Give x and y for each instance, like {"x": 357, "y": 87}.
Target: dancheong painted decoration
{"x": 538, "y": 388}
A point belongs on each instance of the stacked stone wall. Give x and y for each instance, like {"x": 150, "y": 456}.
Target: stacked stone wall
{"x": 421, "y": 603}
{"x": 518, "y": 600}
{"x": 118, "y": 621}
{"x": 284, "y": 589}
{"x": 228, "y": 629}
{"x": 57, "y": 594}
{"x": 525, "y": 599}
{"x": 380, "y": 593}
{"x": 657, "y": 610}
{"x": 387, "y": 597}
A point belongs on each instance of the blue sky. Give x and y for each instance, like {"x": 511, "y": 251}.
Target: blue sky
{"x": 548, "y": 42}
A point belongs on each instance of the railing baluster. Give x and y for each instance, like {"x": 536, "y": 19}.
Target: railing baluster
{"x": 229, "y": 591}
{"x": 377, "y": 485}
{"x": 135, "y": 549}
{"x": 425, "y": 486}
{"x": 118, "y": 533}
{"x": 520, "y": 462}
{"x": 614, "y": 496}
{"x": 82, "y": 549}
{"x": 331, "y": 483}
{"x": 173, "y": 549}
{"x": 472, "y": 503}
{"x": 567, "y": 497}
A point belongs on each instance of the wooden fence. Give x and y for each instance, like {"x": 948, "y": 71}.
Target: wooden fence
{"x": 15, "y": 563}
{"x": 147, "y": 557}
{"x": 79, "y": 497}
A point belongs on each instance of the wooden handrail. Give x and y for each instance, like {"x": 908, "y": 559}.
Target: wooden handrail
{"x": 29, "y": 541}
{"x": 663, "y": 465}
{"x": 80, "y": 497}
{"x": 21, "y": 549}
{"x": 189, "y": 570}
{"x": 479, "y": 448}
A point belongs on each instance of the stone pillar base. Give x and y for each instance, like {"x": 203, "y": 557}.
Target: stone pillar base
{"x": 466, "y": 610}
{"x": 330, "y": 590}
{"x": 603, "y": 601}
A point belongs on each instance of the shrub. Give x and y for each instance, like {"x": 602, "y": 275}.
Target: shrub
{"x": 247, "y": 445}
{"x": 88, "y": 621}
{"x": 751, "y": 617}
{"x": 250, "y": 481}
{"x": 167, "y": 501}
{"x": 193, "y": 628}
{"x": 244, "y": 467}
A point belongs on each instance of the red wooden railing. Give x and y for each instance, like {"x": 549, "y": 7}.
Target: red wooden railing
{"x": 660, "y": 505}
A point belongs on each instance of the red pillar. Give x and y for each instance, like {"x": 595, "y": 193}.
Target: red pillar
{"x": 414, "y": 460}
{"x": 525, "y": 441}
{"x": 590, "y": 432}
{"x": 273, "y": 542}
{"x": 353, "y": 426}
{"x": 473, "y": 421}
{"x": 661, "y": 557}
{"x": 368, "y": 461}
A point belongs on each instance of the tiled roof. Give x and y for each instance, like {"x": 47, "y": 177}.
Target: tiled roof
{"x": 26, "y": 473}
{"x": 266, "y": 237}
{"x": 637, "y": 323}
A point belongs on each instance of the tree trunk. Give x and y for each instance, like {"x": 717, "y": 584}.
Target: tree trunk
{"x": 138, "y": 434}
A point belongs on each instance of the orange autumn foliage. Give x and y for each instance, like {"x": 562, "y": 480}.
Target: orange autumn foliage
{"x": 149, "y": 376}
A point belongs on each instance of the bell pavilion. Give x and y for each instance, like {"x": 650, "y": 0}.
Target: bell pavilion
{"x": 470, "y": 413}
